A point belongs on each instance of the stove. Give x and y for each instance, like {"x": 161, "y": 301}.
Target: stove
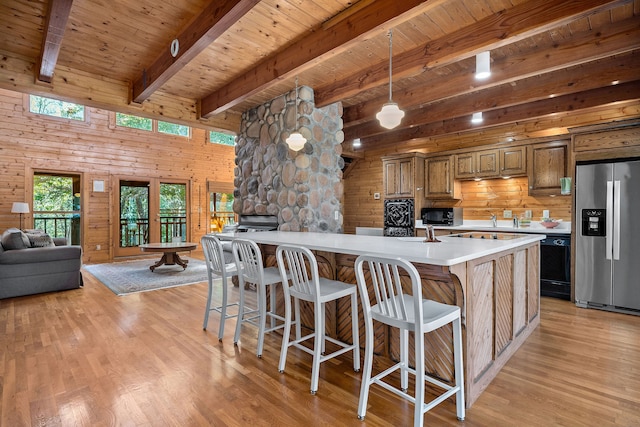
{"x": 487, "y": 236}
{"x": 252, "y": 223}
{"x": 398, "y": 217}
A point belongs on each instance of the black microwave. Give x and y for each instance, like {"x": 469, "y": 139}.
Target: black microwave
{"x": 441, "y": 216}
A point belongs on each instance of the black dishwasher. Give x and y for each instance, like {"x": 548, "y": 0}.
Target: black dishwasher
{"x": 555, "y": 266}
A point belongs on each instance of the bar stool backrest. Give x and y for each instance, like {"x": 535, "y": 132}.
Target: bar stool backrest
{"x": 248, "y": 258}
{"x": 293, "y": 261}
{"x": 214, "y": 257}
{"x": 385, "y": 290}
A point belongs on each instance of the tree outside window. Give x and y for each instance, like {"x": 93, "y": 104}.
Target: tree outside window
{"x": 55, "y": 108}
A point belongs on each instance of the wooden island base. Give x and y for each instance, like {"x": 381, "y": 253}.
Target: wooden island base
{"x": 498, "y": 295}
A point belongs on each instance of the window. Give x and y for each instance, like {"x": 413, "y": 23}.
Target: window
{"x": 222, "y": 138}
{"x": 56, "y": 205}
{"x": 56, "y": 108}
{"x": 173, "y": 129}
{"x": 221, "y": 208}
{"x": 135, "y": 122}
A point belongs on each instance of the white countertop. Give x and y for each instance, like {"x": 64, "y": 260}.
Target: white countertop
{"x": 504, "y": 226}
{"x": 449, "y": 251}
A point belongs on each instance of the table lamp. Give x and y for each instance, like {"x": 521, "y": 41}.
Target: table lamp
{"x": 21, "y": 208}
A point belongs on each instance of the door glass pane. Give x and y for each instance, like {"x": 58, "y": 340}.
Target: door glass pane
{"x": 56, "y": 205}
{"x": 134, "y": 213}
{"x": 173, "y": 212}
{"x": 221, "y": 208}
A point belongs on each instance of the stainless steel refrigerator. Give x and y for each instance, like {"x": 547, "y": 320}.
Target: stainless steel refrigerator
{"x": 607, "y": 252}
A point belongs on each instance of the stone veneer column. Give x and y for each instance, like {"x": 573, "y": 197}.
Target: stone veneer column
{"x": 303, "y": 188}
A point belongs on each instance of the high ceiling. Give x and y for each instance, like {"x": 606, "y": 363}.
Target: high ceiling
{"x": 546, "y": 57}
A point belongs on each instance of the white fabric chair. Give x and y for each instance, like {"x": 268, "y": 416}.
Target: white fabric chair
{"x": 306, "y": 285}
{"x": 408, "y": 313}
{"x": 248, "y": 258}
{"x": 216, "y": 266}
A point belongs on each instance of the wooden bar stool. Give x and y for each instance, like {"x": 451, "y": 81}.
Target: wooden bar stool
{"x": 307, "y": 285}
{"x": 248, "y": 258}
{"x": 407, "y": 313}
{"x": 216, "y": 266}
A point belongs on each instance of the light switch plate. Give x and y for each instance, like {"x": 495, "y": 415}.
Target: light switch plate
{"x": 507, "y": 214}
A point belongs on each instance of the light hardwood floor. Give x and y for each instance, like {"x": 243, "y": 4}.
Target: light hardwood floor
{"x": 89, "y": 358}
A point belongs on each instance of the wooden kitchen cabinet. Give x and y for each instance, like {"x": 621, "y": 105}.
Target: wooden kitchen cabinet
{"x": 513, "y": 161}
{"x": 403, "y": 175}
{"x": 439, "y": 178}
{"x": 477, "y": 164}
{"x": 547, "y": 163}
{"x": 488, "y": 164}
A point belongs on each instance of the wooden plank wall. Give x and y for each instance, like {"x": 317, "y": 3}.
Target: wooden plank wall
{"x": 97, "y": 150}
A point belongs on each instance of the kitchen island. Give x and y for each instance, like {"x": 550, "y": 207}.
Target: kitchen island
{"x": 494, "y": 281}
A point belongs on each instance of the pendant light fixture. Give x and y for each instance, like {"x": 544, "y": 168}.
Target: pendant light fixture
{"x": 483, "y": 65}
{"x": 390, "y": 115}
{"x": 296, "y": 141}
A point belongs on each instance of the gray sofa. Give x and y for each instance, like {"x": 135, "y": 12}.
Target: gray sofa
{"x": 26, "y": 270}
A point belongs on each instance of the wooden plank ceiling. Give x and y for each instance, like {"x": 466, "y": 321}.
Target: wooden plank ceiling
{"x": 546, "y": 57}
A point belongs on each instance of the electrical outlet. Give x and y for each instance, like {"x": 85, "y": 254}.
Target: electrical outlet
{"x": 98, "y": 247}
{"x": 507, "y": 214}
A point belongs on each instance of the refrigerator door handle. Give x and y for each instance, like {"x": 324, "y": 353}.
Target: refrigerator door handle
{"x": 609, "y": 224}
{"x": 616, "y": 220}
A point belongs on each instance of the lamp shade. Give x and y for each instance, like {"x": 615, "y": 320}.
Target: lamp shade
{"x": 296, "y": 141}
{"x": 390, "y": 115}
{"x": 20, "y": 207}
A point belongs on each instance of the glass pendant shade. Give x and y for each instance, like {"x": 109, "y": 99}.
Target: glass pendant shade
{"x": 483, "y": 65}
{"x": 390, "y": 115}
{"x": 296, "y": 141}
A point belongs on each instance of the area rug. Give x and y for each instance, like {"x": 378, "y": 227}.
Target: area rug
{"x": 134, "y": 276}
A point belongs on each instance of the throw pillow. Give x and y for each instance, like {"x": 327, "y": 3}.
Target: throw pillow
{"x": 40, "y": 240}
{"x": 14, "y": 238}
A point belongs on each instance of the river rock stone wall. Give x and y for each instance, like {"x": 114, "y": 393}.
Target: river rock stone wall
{"x": 303, "y": 188}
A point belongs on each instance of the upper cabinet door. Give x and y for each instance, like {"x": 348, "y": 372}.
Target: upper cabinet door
{"x": 390, "y": 178}
{"x": 403, "y": 175}
{"x": 440, "y": 183}
{"x": 487, "y": 164}
{"x": 465, "y": 166}
{"x": 513, "y": 161}
{"x": 547, "y": 164}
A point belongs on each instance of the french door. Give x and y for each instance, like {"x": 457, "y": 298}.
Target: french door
{"x": 150, "y": 211}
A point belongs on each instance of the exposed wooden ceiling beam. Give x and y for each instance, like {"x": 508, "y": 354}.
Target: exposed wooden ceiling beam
{"x": 304, "y": 53}
{"x": 506, "y": 27}
{"x": 519, "y": 113}
{"x": 561, "y": 82}
{"x": 581, "y": 48}
{"x": 214, "y": 20}
{"x": 55, "y": 25}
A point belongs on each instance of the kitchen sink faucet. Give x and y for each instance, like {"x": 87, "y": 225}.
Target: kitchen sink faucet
{"x": 494, "y": 220}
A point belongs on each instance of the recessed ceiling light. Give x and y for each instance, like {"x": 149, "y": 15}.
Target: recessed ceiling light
{"x": 356, "y": 142}
{"x": 483, "y": 65}
{"x": 615, "y": 82}
{"x": 476, "y": 118}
